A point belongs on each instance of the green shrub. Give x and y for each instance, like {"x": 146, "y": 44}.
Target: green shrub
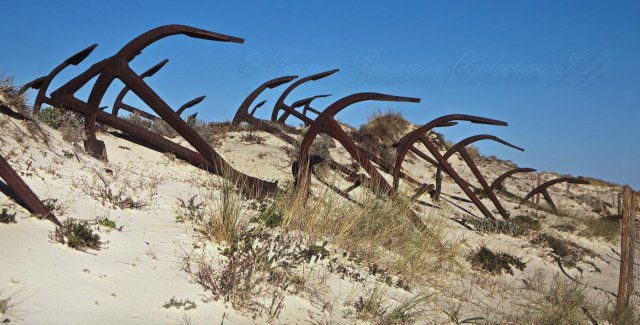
{"x": 567, "y": 252}
{"x": 269, "y": 218}
{"x": 518, "y": 226}
{"x": 106, "y": 222}
{"x": 76, "y": 234}
{"x": 607, "y": 229}
{"x": 175, "y": 303}
{"x": 495, "y": 263}
{"x": 6, "y": 217}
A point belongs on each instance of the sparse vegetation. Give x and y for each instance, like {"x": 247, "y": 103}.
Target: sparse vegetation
{"x": 607, "y": 229}
{"x": 106, "y": 222}
{"x": 495, "y": 263}
{"x": 268, "y": 217}
{"x": 7, "y": 303}
{"x": 559, "y": 302}
{"x": 517, "y": 226}
{"x": 189, "y": 210}
{"x": 119, "y": 199}
{"x": 370, "y": 307}
{"x": 386, "y": 224}
{"x": 76, "y": 234}
{"x": 380, "y": 132}
{"x": 254, "y": 278}
{"x": 568, "y": 253}
{"x": 6, "y": 217}
{"x": 69, "y": 124}
{"x": 10, "y": 94}
{"x": 185, "y": 304}
{"x": 251, "y": 137}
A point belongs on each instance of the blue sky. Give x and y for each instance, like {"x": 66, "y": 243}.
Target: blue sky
{"x": 564, "y": 74}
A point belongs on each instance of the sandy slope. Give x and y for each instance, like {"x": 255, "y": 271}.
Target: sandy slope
{"x": 139, "y": 268}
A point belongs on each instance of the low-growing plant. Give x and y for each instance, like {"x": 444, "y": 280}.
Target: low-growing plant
{"x": 69, "y": 124}
{"x": 251, "y": 137}
{"x": 370, "y": 306}
{"x": 106, "y": 222}
{"x": 189, "y": 210}
{"x": 480, "y": 193}
{"x": 566, "y": 227}
{"x": 119, "y": 199}
{"x": 254, "y": 278}
{"x": 607, "y": 229}
{"x": 10, "y": 94}
{"x": 557, "y": 302}
{"x": 6, "y": 217}
{"x": 407, "y": 312}
{"x": 226, "y": 218}
{"x": 495, "y": 263}
{"x": 567, "y": 252}
{"x": 517, "y": 226}
{"x": 76, "y": 234}
{"x": 269, "y": 218}
{"x": 7, "y": 304}
{"x": 378, "y": 222}
{"x": 185, "y": 304}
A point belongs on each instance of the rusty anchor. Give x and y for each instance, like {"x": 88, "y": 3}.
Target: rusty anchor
{"x": 24, "y": 192}
{"x": 243, "y": 114}
{"x": 305, "y": 102}
{"x": 42, "y": 83}
{"x": 498, "y": 183}
{"x": 542, "y": 189}
{"x": 280, "y": 105}
{"x": 117, "y": 67}
{"x": 460, "y": 148}
{"x": 118, "y": 104}
{"x": 405, "y": 144}
{"x": 325, "y": 123}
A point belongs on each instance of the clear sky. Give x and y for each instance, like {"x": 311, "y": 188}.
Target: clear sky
{"x": 565, "y": 75}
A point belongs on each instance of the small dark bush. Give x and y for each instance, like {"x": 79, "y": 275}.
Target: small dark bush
{"x": 252, "y": 138}
{"x": 76, "y": 234}
{"x": 568, "y": 253}
{"x": 10, "y": 94}
{"x": 607, "y": 228}
{"x": 517, "y": 226}
{"x": 6, "y": 217}
{"x": 69, "y": 124}
{"x": 175, "y": 303}
{"x": 269, "y": 218}
{"x": 381, "y": 132}
{"x": 107, "y": 223}
{"x": 495, "y": 263}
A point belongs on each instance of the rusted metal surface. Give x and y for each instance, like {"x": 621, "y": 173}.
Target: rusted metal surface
{"x": 405, "y": 144}
{"x": 42, "y": 83}
{"x": 24, "y": 192}
{"x": 325, "y": 123}
{"x": 280, "y": 105}
{"x": 242, "y": 114}
{"x": 542, "y": 189}
{"x": 117, "y": 67}
{"x": 460, "y": 148}
{"x": 258, "y": 105}
{"x": 190, "y": 104}
{"x": 33, "y": 84}
{"x": 308, "y": 107}
{"x": 118, "y": 104}
{"x": 305, "y": 104}
{"x": 498, "y": 183}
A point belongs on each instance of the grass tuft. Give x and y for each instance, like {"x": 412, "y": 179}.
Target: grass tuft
{"x": 76, "y": 234}
{"x": 495, "y": 263}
